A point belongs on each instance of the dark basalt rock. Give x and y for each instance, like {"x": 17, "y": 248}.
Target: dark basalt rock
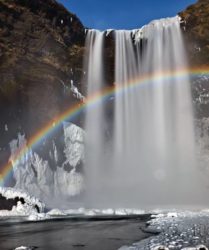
{"x": 41, "y": 51}
{"x": 7, "y": 204}
{"x": 41, "y": 48}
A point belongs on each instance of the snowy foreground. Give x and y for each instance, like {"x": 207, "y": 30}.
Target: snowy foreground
{"x": 177, "y": 230}
{"x": 173, "y": 230}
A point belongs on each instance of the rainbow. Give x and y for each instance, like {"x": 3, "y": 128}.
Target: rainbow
{"x": 73, "y": 111}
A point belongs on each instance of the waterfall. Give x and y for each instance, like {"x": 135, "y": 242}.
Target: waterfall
{"x": 150, "y": 160}
{"x": 94, "y": 125}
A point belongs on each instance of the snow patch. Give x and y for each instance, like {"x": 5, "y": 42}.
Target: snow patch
{"x": 38, "y": 217}
{"x": 68, "y": 184}
{"x": 30, "y": 201}
{"x": 24, "y": 248}
{"x": 108, "y": 31}
{"x": 74, "y": 141}
{"x": 76, "y": 93}
{"x": 6, "y": 127}
{"x": 138, "y": 34}
{"x": 36, "y": 176}
{"x": 177, "y": 230}
{"x": 95, "y": 212}
{"x": 56, "y": 212}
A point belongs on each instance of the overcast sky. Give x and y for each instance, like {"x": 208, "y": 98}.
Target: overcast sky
{"x": 123, "y": 14}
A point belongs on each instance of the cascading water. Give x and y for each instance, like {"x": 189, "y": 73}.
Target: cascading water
{"x": 94, "y": 116}
{"x": 150, "y": 160}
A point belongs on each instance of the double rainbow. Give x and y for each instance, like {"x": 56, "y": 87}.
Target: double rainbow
{"x": 73, "y": 111}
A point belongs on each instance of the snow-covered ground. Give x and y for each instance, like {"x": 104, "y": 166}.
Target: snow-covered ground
{"x": 95, "y": 212}
{"x": 31, "y": 206}
{"x": 177, "y": 230}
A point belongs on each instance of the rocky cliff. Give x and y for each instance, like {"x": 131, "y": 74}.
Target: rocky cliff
{"x": 195, "y": 27}
{"x": 196, "y": 30}
{"x": 41, "y": 49}
{"x": 41, "y": 53}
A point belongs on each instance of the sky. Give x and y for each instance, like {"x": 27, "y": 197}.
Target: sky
{"x": 123, "y": 14}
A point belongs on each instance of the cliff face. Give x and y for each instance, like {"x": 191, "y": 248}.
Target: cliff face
{"x": 195, "y": 27}
{"x": 41, "y": 57}
{"x": 196, "y": 30}
{"x": 41, "y": 49}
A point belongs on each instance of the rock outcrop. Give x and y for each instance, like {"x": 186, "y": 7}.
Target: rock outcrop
{"x": 196, "y": 30}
